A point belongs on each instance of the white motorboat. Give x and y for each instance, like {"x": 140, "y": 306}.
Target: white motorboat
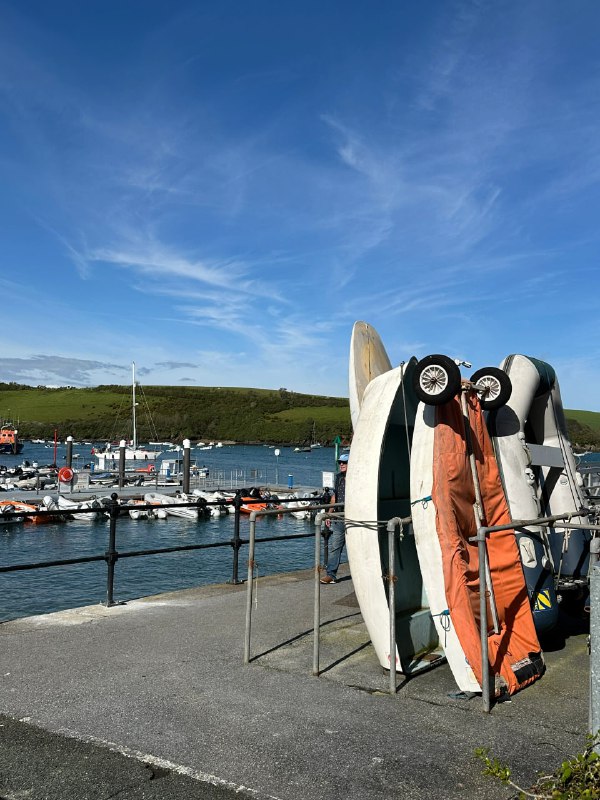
{"x": 155, "y": 498}
{"x": 68, "y": 506}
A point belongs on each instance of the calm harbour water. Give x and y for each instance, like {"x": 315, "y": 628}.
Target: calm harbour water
{"x": 43, "y": 590}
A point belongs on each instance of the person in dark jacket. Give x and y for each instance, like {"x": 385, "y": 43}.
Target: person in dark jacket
{"x": 337, "y": 539}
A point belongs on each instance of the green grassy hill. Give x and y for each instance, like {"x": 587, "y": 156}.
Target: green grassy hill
{"x": 584, "y": 428}
{"x": 172, "y": 413}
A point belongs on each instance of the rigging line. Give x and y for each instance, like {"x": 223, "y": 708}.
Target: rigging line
{"x": 153, "y": 430}
{"x": 116, "y": 420}
{"x": 402, "y": 364}
{"x": 563, "y": 449}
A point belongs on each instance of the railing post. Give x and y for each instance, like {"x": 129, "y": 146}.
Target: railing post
{"x": 237, "y": 542}
{"x": 186, "y": 466}
{"x": 317, "y": 595}
{"x": 111, "y": 554}
{"x": 391, "y": 529}
{"x": 250, "y": 587}
{"x": 595, "y": 639}
{"x": 69, "y": 455}
{"x": 121, "y": 463}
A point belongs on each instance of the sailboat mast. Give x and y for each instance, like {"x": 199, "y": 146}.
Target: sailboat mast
{"x": 133, "y": 408}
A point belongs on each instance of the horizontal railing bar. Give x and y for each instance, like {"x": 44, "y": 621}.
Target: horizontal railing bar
{"x": 200, "y": 503}
{"x": 132, "y": 553}
{"x": 61, "y": 563}
{"x": 178, "y": 548}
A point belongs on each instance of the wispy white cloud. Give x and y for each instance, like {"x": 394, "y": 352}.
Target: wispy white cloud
{"x": 42, "y": 369}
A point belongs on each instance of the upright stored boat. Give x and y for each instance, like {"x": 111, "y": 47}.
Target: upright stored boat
{"x": 540, "y": 479}
{"x": 378, "y": 489}
{"x": 456, "y": 488}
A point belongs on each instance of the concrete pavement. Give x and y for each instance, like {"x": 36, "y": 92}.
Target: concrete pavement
{"x": 152, "y": 699}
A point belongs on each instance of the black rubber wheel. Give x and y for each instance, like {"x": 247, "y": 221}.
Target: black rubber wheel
{"x": 436, "y": 380}
{"x": 493, "y": 387}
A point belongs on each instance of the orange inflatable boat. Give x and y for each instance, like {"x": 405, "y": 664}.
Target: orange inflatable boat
{"x": 443, "y": 496}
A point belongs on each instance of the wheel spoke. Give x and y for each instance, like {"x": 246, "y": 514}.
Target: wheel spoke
{"x": 489, "y": 387}
{"x": 434, "y": 380}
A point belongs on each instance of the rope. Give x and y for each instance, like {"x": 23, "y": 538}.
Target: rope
{"x": 445, "y": 622}
{"x": 422, "y": 500}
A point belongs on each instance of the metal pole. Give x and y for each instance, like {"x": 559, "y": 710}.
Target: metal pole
{"x": 485, "y": 660}
{"x": 186, "y": 466}
{"x": 391, "y": 529}
{"x": 249, "y": 587}
{"x": 111, "y": 554}
{"x": 317, "y": 601}
{"x": 121, "y": 463}
{"x": 69, "y": 455}
{"x": 478, "y": 507}
{"x": 236, "y": 543}
{"x": 595, "y": 638}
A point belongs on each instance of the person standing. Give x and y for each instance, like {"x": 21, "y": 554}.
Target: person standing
{"x": 337, "y": 538}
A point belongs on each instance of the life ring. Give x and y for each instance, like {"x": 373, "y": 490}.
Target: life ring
{"x": 65, "y": 474}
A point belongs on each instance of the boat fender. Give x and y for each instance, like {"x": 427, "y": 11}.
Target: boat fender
{"x": 65, "y": 474}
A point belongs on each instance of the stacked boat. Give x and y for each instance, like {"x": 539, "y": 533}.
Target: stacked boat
{"x": 457, "y": 456}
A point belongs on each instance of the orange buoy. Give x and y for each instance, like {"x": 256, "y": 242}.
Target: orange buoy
{"x": 65, "y": 474}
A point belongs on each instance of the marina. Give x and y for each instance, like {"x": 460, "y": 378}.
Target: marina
{"x": 229, "y": 467}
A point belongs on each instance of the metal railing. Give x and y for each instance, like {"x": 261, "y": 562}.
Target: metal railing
{"x": 114, "y": 509}
{"x": 320, "y": 518}
{"x": 483, "y": 532}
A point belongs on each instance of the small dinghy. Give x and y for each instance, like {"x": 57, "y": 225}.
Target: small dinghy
{"x": 540, "y": 479}
{"x": 189, "y": 512}
{"x": 378, "y": 489}
{"x": 83, "y": 514}
{"x": 217, "y": 504}
{"x": 8, "y": 514}
{"x": 11, "y": 506}
{"x": 141, "y": 511}
{"x": 452, "y": 468}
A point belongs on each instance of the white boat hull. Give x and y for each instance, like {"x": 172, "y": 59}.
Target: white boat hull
{"x": 429, "y": 550}
{"x": 528, "y": 433}
{"x": 377, "y": 489}
{"x": 368, "y": 359}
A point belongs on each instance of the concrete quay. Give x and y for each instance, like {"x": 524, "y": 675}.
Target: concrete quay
{"x": 151, "y": 699}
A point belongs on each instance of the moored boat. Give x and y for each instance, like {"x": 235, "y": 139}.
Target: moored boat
{"x": 109, "y": 457}
{"x": 9, "y": 440}
{"x": 155, "y": 498}
{"x": 31, "y": 514}
{"x": 84, "y": 508}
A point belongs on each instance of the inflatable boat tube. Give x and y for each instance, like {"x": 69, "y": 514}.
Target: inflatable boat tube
{"x": 378, "y": 489}
{"x": 368, "y": 359}
{"x": 443, "y": 497}
{"x": 540, "y": 479}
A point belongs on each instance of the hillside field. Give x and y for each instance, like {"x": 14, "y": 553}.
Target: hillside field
{"x": 172, "y": 413}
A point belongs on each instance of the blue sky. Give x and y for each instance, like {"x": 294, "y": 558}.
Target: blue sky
{"x": 218, "y": 190}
